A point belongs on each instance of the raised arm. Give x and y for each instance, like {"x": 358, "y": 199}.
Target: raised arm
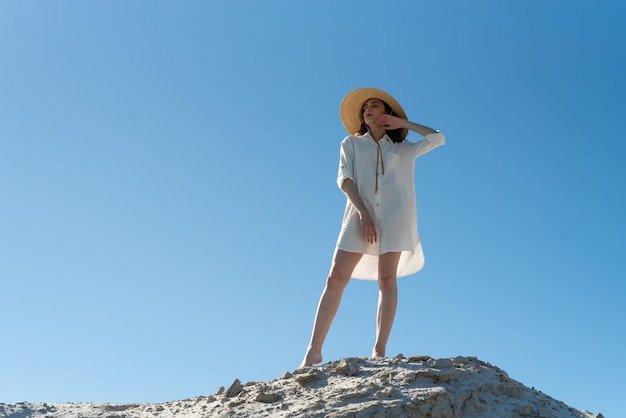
{"x": 394, "y": 122}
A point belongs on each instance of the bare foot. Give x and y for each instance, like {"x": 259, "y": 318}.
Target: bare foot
{"x": 311, "y": 358}
{"x": 378, "y": 354}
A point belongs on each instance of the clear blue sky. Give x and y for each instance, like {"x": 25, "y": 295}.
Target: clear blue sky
{"x": 169, "y": 208}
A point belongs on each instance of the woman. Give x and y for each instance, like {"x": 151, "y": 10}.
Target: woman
{"x": 378, "y": 238}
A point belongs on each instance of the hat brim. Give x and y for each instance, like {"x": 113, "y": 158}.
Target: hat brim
{"x": 352, "y": 103}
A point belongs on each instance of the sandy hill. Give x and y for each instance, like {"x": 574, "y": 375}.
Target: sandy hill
{"x": 417, "y": 386}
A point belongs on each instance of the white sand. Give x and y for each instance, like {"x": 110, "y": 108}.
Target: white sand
{"x": 417, "y": 386}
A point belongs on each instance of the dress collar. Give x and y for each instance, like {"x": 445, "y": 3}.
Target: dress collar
{"x": 367, "y": 135}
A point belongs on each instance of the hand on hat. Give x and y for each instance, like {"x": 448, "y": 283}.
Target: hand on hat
{"x": 390, "y": 122}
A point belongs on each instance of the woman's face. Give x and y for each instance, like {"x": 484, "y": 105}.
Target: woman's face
{"x": 372, "y": 110}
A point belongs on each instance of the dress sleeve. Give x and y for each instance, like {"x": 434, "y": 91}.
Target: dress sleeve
{"x": 346, "y": 162}
{"x": 431, "y": 141}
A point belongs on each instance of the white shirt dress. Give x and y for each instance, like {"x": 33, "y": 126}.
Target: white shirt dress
{"x": 384, "y": 178}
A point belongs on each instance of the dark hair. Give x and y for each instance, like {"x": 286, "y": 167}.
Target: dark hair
{"x": 394, "y": 134}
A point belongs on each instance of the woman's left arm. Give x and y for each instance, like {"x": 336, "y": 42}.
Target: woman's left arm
{"x": 435, "y": 139}
{"x": 393, "y": 122}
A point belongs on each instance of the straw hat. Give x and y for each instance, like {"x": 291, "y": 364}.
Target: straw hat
{"x": 352, "y": 103}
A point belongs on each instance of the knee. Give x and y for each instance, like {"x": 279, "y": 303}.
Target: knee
{"x": 337, "y": 279}
{"x": 387, "y": 281}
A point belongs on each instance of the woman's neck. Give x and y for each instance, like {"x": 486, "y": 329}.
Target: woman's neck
{"x": 377, "y": 133}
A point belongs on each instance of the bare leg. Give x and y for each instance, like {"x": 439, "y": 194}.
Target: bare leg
{"x": 340, "y": 272}
{"x": 387, "y": 300}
